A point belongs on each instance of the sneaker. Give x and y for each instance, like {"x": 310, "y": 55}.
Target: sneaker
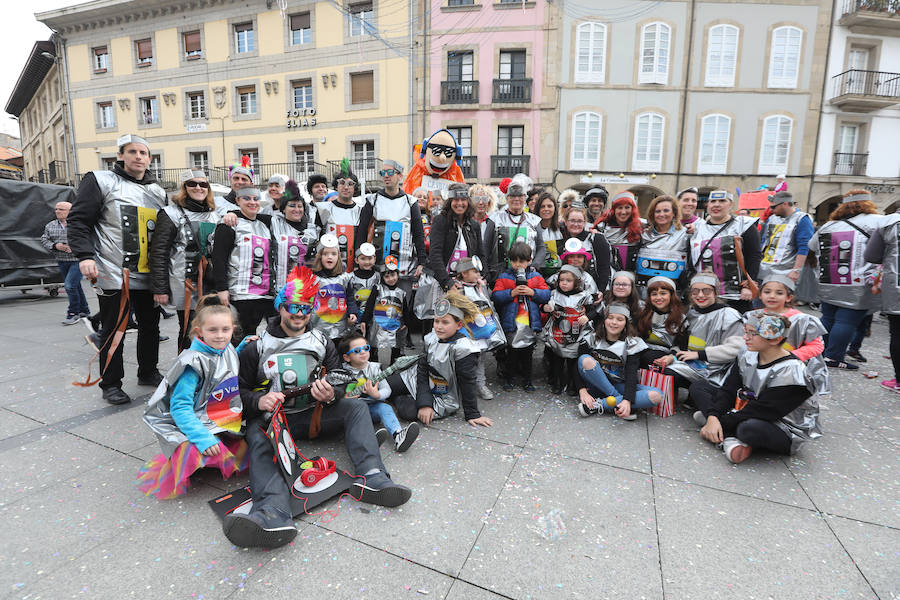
{"x": 153, "y": 379}
{"x": 891, "y": 384}
{"x": 379, "y": 489}
{"x": 381, "y": 436}
{"x": 404, "y": 438}
{"x": 163, "y": 338}
{"x": 839, "y": 364}
{"x": 86, "y": 321}
{"x": 509, "y": 385}
{"x": 584, "y": 411}
{"x": 264, "y": 528}
{"x": 71, "y": 320}
{"x": 529, "y": 387}
{"x": 556, "y": 388}
{"x": 165, "y": 314}
{"x": 699, "y": 419}
{"x": 115, "y": 395}
{"x": 857, "y": 356}
{"x": 93, "y": 340}
{"x": 485, "y": 393}
{"x": 735, "y": 450}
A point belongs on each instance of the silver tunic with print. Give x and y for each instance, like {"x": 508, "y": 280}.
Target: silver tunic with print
{"x": 193, "y": 231}
{"x": 562, "y": 332}
{"x": 393, "y": 230}
{"x": 361, "y": 288}
{"x": 441, "y": 358}
{"x": 371, "y": 371}
{"x": 123, "y": 231}
{"x": 612, "y": 356}
{"x": 342, "y": 222}
{"x": 587, "y": 282}
{"x": 217, "y": 400}
{"x": 624, "y": 253}
{"x": 719, "y": 255}
{"x": 801, "y": 424}
{"x": 553, "y": 244}
{"x": 487, "y": 332}
{"x": 510, "y": 229}
{"x": 844, "y": 275}
{"x": 662, "y": 254}
{"x": 330, "y": 305}
{"x": 659, "y": 337}
{"x": 779, "y": 246}
{"x": 709, "y": 329}
{"x": 250, "y": 265}
{"x": 290, "y": 247}
{"x": 890, "y": 285}
{"x": 387, "y": 315}
{"x": 290, "y": 362}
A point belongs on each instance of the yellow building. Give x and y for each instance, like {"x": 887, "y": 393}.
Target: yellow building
{"x": 206, "y": 82}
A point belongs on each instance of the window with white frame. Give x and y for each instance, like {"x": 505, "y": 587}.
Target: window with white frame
{"x": 776, "y": 144}
{"x": 715, "y": 135}
{"x": 304, "y": 161}
{"x": 253, "y": 153}
{"x": 463, "y": 137}
{"x": 196, "y": 105}
{"x": 303, "y": 93}
{"x": 144, "y": 51}
{"x": 247, "y": 100}
{"x": 301, "y": 32}
{"x": 364, "y": 154}
{"x": 649, "y": 130}
{"x": 149, "y": 110}
{"x": 155, "y": 166}
{"x": 511, "y": 140}
{"x": 512, "y": 64}
{"x": 101, "y": 59}
{"x": 460, "y": 65}
{"x": 590, "y": 53}
{"x": 199, "y": 161}
{"x": 106, "y": 116}
{"x": 784, "y": 57}
{"x": 244, "y": 40}
{"x": 586, "y": 127}
{"x": 655, "y": 39}
{"x": 362, "y": 17}
{"x": 721, "y": 56}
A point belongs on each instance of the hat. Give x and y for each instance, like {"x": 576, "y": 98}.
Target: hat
{"x": 277, "y": 179}
{"x": 329, "y": 240}
{"x": 504, "y": 184}
{"x": 571, "y": 269}
{"x": 130, "y": 138}
{"x": 782, "y": 279}
{"x": 575, "y": 247}
{"x": 243, "y": 168}
{"x": 692, "y": 190}
{"x": 189, "y": 174}
{"x": 627, "y": 274}
{"x": 247, "y": 192}
{"x": 301, "y": 287}
{"x": 767, "y": 326}
{"x": 663, "y": 280}
{"x": 313, "y": 180}
{"x": 515, "y": 189}
{"x": 597, "y": 191}
{"x": 392, "y": 164}
{"x": 625, "y": 194}
{"x": 390, "y": 264}
{"x": 467, "y": 263}
{"x": 617, "y": 308}
{"x": 780, "y": 197}
{"x": 705, "y": 279}
{"x": 366, "y": 249}
{"x": 721, "y": 195}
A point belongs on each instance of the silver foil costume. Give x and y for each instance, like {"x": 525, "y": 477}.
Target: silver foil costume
{"x": 719, "y": 254}
{"x": 709, "y": 329}
{"x": 361, "y": 288}
{"x": 330, "y": 310}
{"x": 250, "y": 265}
{"x": 510, "y": 229}
{"x": 387, "y": 316}
{"x": 562, "y": 332}
{"x": 612, "y": 356}
{"x": 342, "y": 222}
{"x": 624, "y": 253}
{"x": 290, "y": 362}
{"x": 890, "y": 285}
{"x": 486, "y": 330}
{"x": 393, "y": 231}
{"x": 662, "y": 254}
{"x": 779, "y": 246}
{"x": 193, "y": 241}
{"x": 845, "y": 278}
{"x": 441, "y": 358}
{"x": 290, "y": 247}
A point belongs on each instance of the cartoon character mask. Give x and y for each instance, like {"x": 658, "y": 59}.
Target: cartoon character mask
{"x": 440, "y": 153}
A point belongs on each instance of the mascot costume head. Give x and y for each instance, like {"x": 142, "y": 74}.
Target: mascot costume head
{"x": 436, "y": 168}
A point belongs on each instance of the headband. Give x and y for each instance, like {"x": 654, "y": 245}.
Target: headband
{"x": 249, "y": 192}
{"x": 857, "y": 198}
{"x": 392, "y": 164}
{"x": 130, "y": 138}
{"x": 443, "y": 307}
{"x": 458, "y": 194}
{"x": 625, "y": 194}
{"x": 721, "y": 195}
{"x": 617, "y": 308}
{"x": 705, "y": 279}
{"x": 662, "y": 280}
{"x": 189, "y": 174}
{"x": 770, "y": 327}
{"x": 691, "y": 189}
{"x": 627, "y": 274}
{"x": 782, "y": 279}
{"x": 571, "y": 269}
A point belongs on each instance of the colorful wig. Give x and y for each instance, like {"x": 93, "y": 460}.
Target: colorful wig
{"x": 633, "y": 226}
{"x": 301, "y": 287}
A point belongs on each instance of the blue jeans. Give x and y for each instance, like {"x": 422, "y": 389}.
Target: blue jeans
{"x": 860, "y": 335}
{"x": 72, "y": 280}
{"x": 599, "y": 385}
{"x": 841, "y": 324}
{"x": 383, "y": 412}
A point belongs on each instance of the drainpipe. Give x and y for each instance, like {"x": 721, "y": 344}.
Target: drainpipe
{"x": 687, "y": 80}
{"x": 64, "y": 62}
{"x": 812, "y": 179}
{"x": 412, "y": 72}
{"x": 426, "y": 22}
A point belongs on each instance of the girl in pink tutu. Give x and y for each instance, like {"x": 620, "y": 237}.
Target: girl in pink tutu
{"x": 196, "y": 410}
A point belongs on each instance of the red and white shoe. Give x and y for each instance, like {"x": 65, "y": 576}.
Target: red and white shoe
{"x": 735, "y": 450}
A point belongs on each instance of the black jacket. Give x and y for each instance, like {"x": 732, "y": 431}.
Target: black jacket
{"x": 164, "y": 237}
{"x": 443, "y": 241}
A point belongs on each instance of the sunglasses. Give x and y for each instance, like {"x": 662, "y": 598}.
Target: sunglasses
{"x": 202, "y": 184}
{"x": 298, "y": 309}
{"x": 703, "y": 292}
{"x": 359, "y": 349}
{"x": 388, "y": 172}
{"x": 349, "y": 182}
{"x": 439, "y": 149}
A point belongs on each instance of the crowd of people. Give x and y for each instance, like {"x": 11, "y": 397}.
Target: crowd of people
{"x": 704, "y": 308}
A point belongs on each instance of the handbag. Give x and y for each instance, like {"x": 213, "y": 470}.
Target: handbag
{"x": 427, "y": 295}
{"x": 664, "y": 383}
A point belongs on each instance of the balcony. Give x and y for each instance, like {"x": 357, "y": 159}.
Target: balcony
{"x": 849, "y": 164}
{"x": 507, "y": 166}
{"x": 864, "y": 91}
{"x": 469, "y": 166}
{"x": 879, "y": 17}
{"x": 56, "y": 172}
{"x": 512, "y": 90}
{"x": 459, "y": 92}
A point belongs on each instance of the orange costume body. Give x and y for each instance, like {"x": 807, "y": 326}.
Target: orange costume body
{"x": 420, "y": 169}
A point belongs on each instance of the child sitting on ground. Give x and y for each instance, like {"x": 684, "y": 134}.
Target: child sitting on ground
{"x": 355, "y": 352}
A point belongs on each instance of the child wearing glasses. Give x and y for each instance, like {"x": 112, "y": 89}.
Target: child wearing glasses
{"x": 624, "y": 290}
{"x": 355, "y": 352}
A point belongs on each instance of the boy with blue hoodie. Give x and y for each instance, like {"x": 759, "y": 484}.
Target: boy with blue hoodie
{"x": 518, "y": 295}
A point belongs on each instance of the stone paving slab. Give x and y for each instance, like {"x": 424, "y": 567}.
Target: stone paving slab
{"x": 876, "y": 551}
{"x": 15, "y": 424}
{"x": 124, "y": 431}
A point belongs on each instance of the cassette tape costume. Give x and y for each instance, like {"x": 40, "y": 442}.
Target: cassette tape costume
{"x": 884, "y": 249}
{"x": 396, "y": 227}
{"x": 622, "y": 229}
{"x": 566, "y": 325}
{"x": 364, "y": 279}
{"x": 597, "y": 252}
{"x": 663, "y": 253}
{"x": 785, "y": 238}
{"x": 343, "y": 217}
{"x": 383, "y": 314}
{"x": 513, "y": 225}
{"x": 292, "y": 233}
{"x": 485, "y": 324}
{"x": 334, "y": 308}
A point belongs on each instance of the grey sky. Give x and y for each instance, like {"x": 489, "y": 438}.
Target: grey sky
{"x": 19, "y": 35}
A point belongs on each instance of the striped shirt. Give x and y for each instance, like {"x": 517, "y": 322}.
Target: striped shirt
{"x": 55, "y": 233}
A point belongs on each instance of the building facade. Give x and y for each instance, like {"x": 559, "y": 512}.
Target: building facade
{"x": 860, "y": 122}
{"x": 490, "y": 79}
{"x": 659, "y": 96}
{"x": 207, "y": 82}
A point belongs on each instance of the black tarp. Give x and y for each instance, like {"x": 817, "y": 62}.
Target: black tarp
{"x": 24, "y": 210}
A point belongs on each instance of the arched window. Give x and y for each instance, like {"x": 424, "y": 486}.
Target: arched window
{"x": 649, "y": 129}
{"x": 721, "y": 55}
{"x": 655, "y": 40}
{"x": 590, "y": 53}
{"x": 715, "y": 134}
{"x": 776, "y": 144}
{"x": 784, "y": 57}
{"x": 586, "y": 127}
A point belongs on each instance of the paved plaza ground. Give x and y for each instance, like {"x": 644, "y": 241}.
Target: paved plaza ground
{"x": 543, "y": 505}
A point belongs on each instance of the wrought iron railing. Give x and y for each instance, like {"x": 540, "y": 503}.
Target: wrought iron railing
{"x": 507, "y": 166}
{"x": 866, "y": 83}
{"x": 459, "y": 92}
{"x": 883, "y": 6}
{"x": 469, "y": 166}
{"x": 850, "y": 164}
{"x": 512, "y": 90}
{"x": 56, "y": 171}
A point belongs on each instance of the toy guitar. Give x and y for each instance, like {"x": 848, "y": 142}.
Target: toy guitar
{"x": 333, "y": 377}
{"x": 401, "y": 364}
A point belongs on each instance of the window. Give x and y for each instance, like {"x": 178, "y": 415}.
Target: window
{"x": 364, "y": 154}
{"x": 106, "y": 117}
{"x": 149, "y": 110}
{"x": 463, "y": 137}
{"x": 590, "y": 48}
{"x": 192, "y": 48}
{"x": 362, "y": 17}
{"x": 784, "y": 59}
{"x": 155, "y": 166}
{"x": 196, "y": 105}
{"x": 253, "y": 153}
{"x": 512, "y": 64}
{"x": 301, "y": 32}
{"x": 648, "y": 142}
{"x": 101, "y": 59}
{"x": 511, "y": 141}
{"x": 362, "y": 88}
{"x": 460, "y": 66}
{"x": 108, "y": 164}
{"x": 776, "y": 144}
{"x": 715, "y": 133}
{"x": 199, "y": 160}
{"x": 655, "y": 53}
{"x": 304, "y": 161}
{"x": 247, "y": 100}
{"x": 848, "y": 137}
{"x": 721, "y": 56}
{"x": 244, "y": 40}
{"x": 144, "y": 50}
{"x": 302, "y": 93}
{"x": 586, "y": 141}
{"x": 460, "y": 2}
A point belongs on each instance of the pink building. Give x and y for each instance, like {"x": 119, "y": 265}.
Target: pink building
{"x": 486, "y": 81}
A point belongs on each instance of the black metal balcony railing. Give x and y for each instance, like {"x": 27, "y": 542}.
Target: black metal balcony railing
{"x": 459, "y": 92}
{"x": 57, "y": 171}
{"x": 866, "y": 83}
{"x": 469, "y": 166}
{"x": 891, "y": 7}
{"x": 850, "y": 164}
{"x": 507, "y": 166}
{"x": 512, "y": 90}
